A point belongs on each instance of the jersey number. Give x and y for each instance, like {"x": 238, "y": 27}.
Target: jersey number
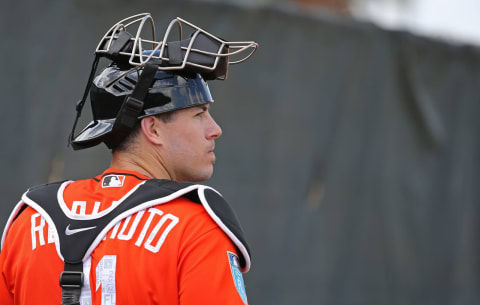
{"x": 105, "y": 274}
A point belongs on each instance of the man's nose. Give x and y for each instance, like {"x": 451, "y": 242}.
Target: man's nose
{"x": 214, "y": 131}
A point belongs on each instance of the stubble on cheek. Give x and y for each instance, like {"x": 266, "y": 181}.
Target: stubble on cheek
{"x": 190, "y": 164}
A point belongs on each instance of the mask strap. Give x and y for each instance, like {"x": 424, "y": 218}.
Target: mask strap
{"x": 132, "y": 107}
{"x": 81, "y": 102}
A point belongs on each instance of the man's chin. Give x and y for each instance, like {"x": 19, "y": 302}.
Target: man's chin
{"x": 208, "y": 174}
{"x": 200, "y": 176}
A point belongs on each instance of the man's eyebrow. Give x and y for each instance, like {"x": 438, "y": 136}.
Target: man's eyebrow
{"x": 201, "y": 108}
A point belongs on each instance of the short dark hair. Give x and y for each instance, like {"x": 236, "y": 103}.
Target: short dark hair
{"x": 128, "y": 142}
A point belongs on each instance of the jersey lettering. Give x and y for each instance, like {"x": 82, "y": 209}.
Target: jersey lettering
{"x": 152, "y": 212}
{"x": 159, "y": 233}
{"x": 124, "y": 230}
{"x": 149, "y": 243}
{"x": 51, "y": 236}
{"x": 96, "y": 208}
{"x": 37, "y": 229}
{"x": 133, "y": 227}
{"x": 79, "y": 205}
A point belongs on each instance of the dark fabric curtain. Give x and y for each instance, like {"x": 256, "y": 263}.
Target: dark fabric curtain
{"x": 349, "y": 152}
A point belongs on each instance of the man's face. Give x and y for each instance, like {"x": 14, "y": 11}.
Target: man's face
{"x": 189, "y": 141}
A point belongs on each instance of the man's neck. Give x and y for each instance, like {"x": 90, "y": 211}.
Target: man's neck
{"x": 144, "y": 164}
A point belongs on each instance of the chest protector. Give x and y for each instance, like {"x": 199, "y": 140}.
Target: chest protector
{"x": 90, "y": 230}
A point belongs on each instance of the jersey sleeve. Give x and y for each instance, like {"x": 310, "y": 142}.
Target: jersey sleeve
{"x": 6, "y": 297}
{"x": 209, "y": 272}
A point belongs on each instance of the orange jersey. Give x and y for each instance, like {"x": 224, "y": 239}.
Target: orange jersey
{"x": 172, "y": 253}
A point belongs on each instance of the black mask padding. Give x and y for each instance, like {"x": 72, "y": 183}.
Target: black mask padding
{"x": 201, "y": 42}
{"x": 121, "y": 43}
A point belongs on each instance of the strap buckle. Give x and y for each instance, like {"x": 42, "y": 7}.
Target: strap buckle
{"x": 134, "y": 104}
{"x": 71, "y": 279}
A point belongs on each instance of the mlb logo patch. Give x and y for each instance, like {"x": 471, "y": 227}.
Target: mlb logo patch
{"x": 237, "y": 276}
{"x": 113, "y": 181}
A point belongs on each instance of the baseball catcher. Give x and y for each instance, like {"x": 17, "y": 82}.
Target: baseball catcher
{"x": 142, "y": 231}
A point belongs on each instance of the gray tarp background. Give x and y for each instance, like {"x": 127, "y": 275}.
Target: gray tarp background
{"x": 350, "y": 153}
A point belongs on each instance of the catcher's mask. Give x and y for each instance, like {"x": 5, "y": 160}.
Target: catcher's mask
{"x": 147, "y": 77}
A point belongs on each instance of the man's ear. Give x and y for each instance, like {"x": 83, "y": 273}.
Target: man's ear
{"x": 150, "y": 126}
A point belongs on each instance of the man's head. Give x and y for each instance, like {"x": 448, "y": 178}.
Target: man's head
{"x": 174, "y": 129}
